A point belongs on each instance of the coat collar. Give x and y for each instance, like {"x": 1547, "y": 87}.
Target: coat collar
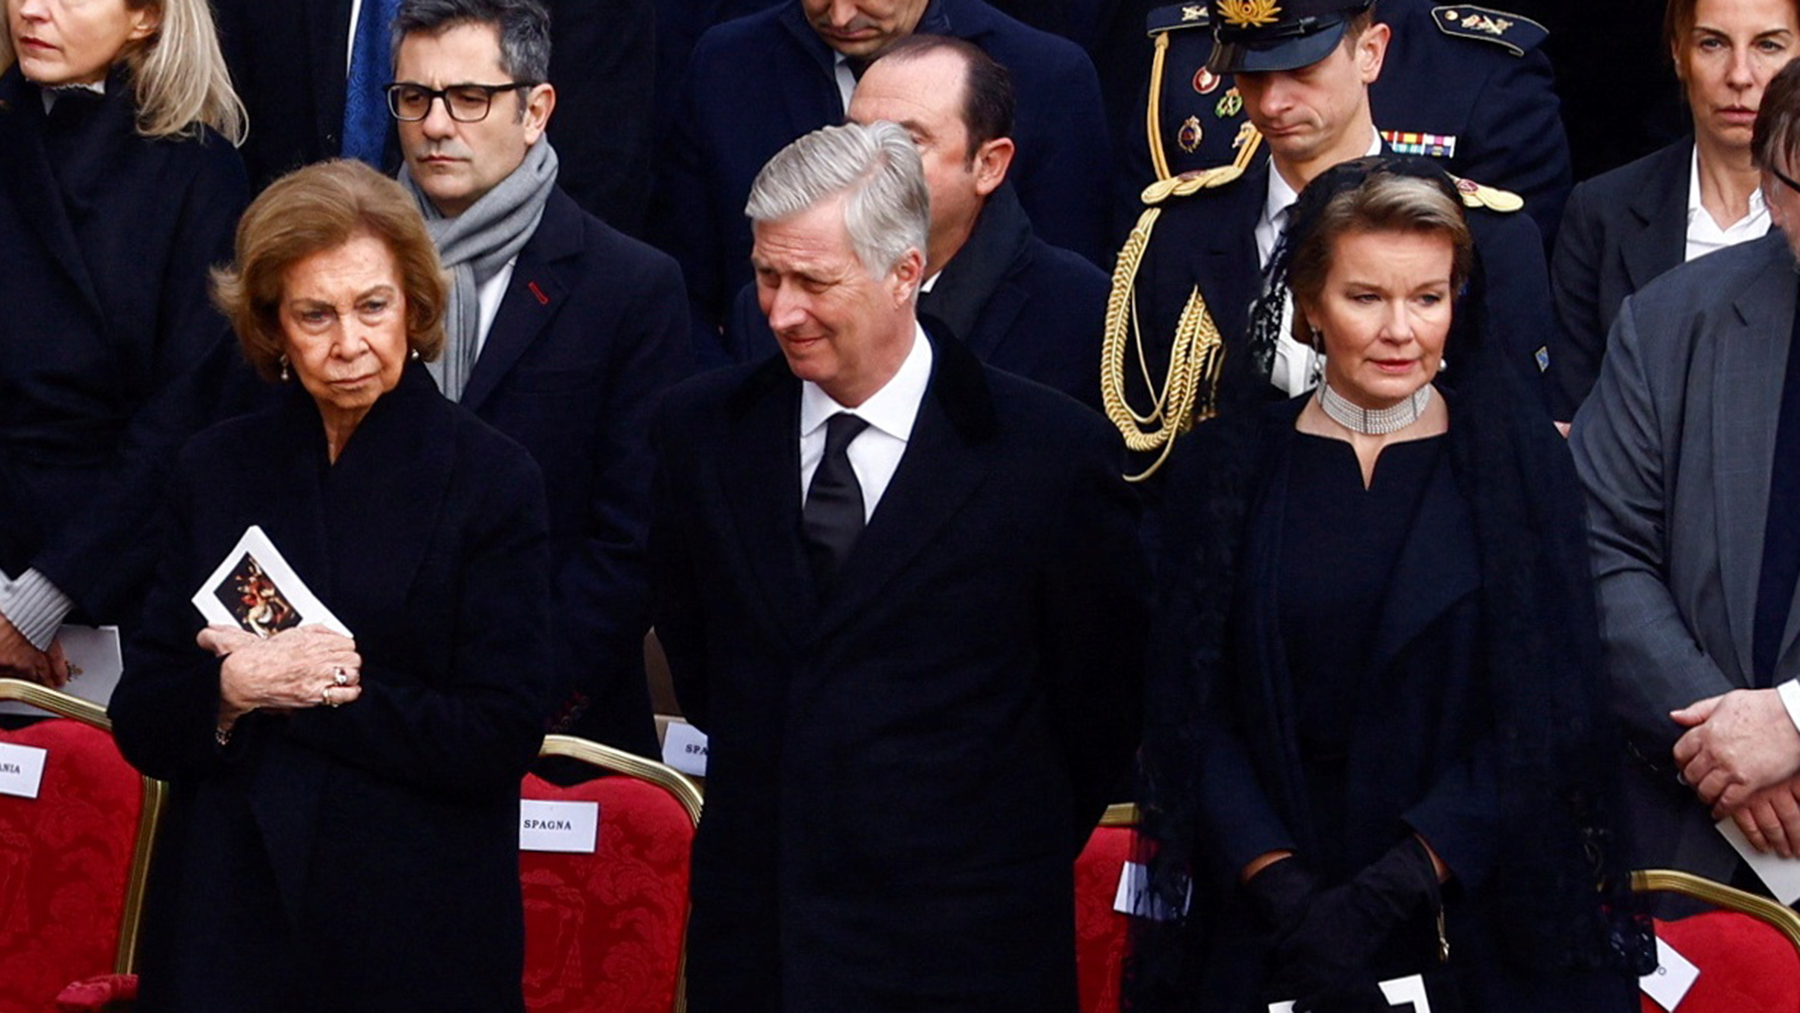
{"x": 967, "y": 287}
{"x": 1660, "y": 210}
{"x": 545, "y": 273}
{"x": 1752, "y": 352}
{"x": 25, "y": 168}
{"x": 941, "y": 468}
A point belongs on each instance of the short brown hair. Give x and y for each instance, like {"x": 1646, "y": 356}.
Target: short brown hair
{"x": 1381, "y": 202}
{"x": 987, "y": 100}
{"x": 317, "y": 208}
{"x": 1777, "y": 130}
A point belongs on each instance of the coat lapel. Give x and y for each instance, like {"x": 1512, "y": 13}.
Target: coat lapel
{"x": 945, "y": 462}
{"x": 1751, "y": 353}
{"x": 540, "y": 283}
{"x": 1660, "y": 213}
{"x": 1438, "y": 566}
{"x": 1225, "y": 266}
{"x": 25, "y": 169}
{"x": 761, "y": 475}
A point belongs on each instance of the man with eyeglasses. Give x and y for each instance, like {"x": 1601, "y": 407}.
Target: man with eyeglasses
{"x": 1689, "y": 448}
{"x": 560, "y": 331}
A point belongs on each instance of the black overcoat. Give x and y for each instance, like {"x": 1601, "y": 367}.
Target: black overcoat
{"x": 108, "y": 344}
{"x": 591, "y": 330}
{"x": 901, "y": 772}
{"x": 1621, "y": 230}
{"x": 363, "y": 857}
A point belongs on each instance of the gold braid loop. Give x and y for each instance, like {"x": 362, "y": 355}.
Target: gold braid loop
{"x": 1190, "y": 391}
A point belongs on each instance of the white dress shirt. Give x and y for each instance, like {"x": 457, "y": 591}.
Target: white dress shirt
{"x": 891, "y": 411}
{"x": 1296, "y": 367}
{"x": 487, "y": 300}
{"x": 846, "y": 80}
{"x": 1704, "y": 235}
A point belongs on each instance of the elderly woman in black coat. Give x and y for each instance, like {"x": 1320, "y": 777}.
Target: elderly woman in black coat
{"x": 342, "y": 833}
{"x": 1377, "y": 750}
{"x": 119, "y": 187}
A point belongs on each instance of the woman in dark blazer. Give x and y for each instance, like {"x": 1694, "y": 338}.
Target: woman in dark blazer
{"x": 1625, "y": 227}
{"x": 343, "y": 828}
{"x": 119, "y": 187}
{"x": 1379, "y": 674}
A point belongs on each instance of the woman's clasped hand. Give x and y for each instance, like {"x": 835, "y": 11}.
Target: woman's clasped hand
{"x": 305, "y": 667}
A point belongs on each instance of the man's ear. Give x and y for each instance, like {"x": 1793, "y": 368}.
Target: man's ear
{"x": 908, "y": 272}
{"x": 992, "y": 160}
{"x": 1371, "y": 51}
{"x": 540, "y": 102}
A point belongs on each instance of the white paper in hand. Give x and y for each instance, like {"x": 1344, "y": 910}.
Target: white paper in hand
{"x": 94, "y": 665}
{"x": 1780, "y": 875}
{"x": 255, "y": 589}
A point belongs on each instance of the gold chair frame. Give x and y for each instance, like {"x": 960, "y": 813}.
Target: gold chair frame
{"x": 1720, "y": 895}
{"x": 663, "y": 776}
{"x": 150, "y": 816}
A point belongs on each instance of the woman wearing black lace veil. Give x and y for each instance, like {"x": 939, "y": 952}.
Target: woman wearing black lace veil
{"x": 1376, "y": 734}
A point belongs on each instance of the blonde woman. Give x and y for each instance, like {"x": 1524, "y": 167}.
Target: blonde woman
{"x": 119, "y": 187}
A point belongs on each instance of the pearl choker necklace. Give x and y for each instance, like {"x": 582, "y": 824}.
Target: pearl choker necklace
{"x": 1375, "y": 421}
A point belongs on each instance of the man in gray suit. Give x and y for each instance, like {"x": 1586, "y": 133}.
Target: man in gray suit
{"x": 1689, "y": 449}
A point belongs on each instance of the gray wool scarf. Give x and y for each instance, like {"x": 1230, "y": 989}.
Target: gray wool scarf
{"x": 475, "y": 245}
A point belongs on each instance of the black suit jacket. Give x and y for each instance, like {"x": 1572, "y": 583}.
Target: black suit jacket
{"x": 363, "y": 857}
{"x": 592, "y": 328}
{"x": 726, "y": 130}
{"x": 1621, "y": 230}
{"x": 109, "y": 348}
{"x": 902, "y": 770}
{"x": 289, "y": 63}
{"x": 1016, "y": 301}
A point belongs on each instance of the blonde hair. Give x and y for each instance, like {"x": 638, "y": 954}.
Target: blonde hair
{"x": 178, "y": 76}
{"x": 316, "y": 208}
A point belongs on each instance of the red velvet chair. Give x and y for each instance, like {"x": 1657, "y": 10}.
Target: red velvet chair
{"x": 1100, "y": 932}
{"x": 1748, "y": 952}
{"x": 72, "y": 861}
{"x": 607, "y": 931}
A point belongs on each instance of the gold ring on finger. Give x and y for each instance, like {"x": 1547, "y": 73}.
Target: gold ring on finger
{"x": 325, "y": 697}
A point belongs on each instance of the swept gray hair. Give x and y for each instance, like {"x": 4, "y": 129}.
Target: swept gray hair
{"x": 876, "y": 167}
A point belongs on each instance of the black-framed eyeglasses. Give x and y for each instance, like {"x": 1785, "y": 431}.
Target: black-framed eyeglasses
{"x": 1778, "y": 174}
{"x": 466, "y": 103}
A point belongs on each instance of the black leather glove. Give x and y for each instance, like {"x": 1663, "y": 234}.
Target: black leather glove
{"x": 1325, "y": 960}
{"x": 1279, "y": 895}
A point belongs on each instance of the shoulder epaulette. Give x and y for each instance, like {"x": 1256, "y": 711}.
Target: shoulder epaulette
{"x": 1174, "y": 16}
{"x": 1512, "y": 31}
{"x": 1480, "y": 195}
{"x": 1190, "y": 182}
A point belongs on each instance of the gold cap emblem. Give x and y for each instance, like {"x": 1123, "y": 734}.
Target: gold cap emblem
{"x": 1249, "y": 13}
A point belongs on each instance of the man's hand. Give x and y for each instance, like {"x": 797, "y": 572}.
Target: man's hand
{"x": 20, "y": 660}
{"x": 1770, "y": 819}
{"x": 1737, "y": 744}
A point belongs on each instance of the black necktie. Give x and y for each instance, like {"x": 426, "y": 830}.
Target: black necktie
{"x": 833, "y": 515}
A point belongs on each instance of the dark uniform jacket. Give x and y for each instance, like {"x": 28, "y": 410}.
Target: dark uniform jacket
{"x": 1016, "y": 301}
{"x": 108, "y": 339}
{"x": 289, "y": 62}
{"x": 757, "y": 83}
{"x": 1463, "y": 83}
{"x": 1621, "y": 230}
{"x": 902, "y": 769}
{"x": 592, "y": 328}
{"x": 363, "y": 857}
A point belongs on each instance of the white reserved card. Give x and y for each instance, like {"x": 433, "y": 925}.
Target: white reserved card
{"x": 94, "y": 665}
{"x": 684, "y": 748}
{"x": 21, "y": 769}
{"x": 572, "y": 827}
{"x": 1406, "y": 993}
{"x": 254, "y": 588}
{"x": 1134, "y": 897}
{"x": 1674, "y": 975}
{"x": 1780, "y": 875}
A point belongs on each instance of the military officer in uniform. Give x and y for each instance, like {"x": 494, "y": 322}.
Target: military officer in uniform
{"x": 1213, "y": 329}
{"x": 1463, "y": 83}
